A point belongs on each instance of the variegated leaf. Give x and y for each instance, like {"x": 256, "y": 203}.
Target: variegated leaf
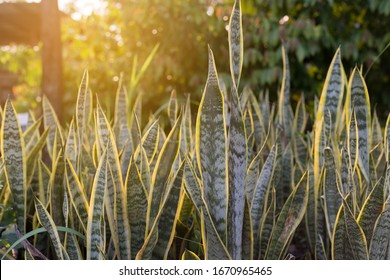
{"x": 289, "y": 218}
{"x": 12, "y": 149}
{"x": 236, "y": 45}
{"x": 211, "y": 149}
{"x": 95, "y": 244}
{"x": 236, "y": 173}
{"x": 358, "y": 98}
{"x": 380, "y": 242}
{"x": 47, "y": 222}
{"x": 137, "y": 206}
{"x": 348, "y": 241}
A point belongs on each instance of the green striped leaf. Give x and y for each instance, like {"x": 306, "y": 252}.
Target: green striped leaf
{"x": 330, "y": 101}
{"x": 247, "y": 234}
{"x": 267, "y": 225}
{"x": 358, "y": 98}
{"x": 50, "y": 122}
{"x": 32, "y": 156}
{"x": 289, "y": 218}
{"x": 348, "y": 241}
{"x": 236, "y": 45}
{"x": 211, "y": 149}
{"x": 47, "y": 222}
{"x": 169, "y": 216}
{"x": 332, "y": 201}
{"x": 71, "y": 149}
{"x": 57, "y": 191}
{"x": 236, "y": 172}
{"x": 30, "y": 136}
{"x": 262, "y": 186}
{"x": 77, "y": 194}
{"x": 380, "y": 242}
{"x": 186, "y": 128}
{"x": 285, "y": 114}
{"x": 387, "y": 139}
{"x": 371, "y": 209}
{"x": 82, "y": 108}
{"x": 120, "y": 116}
{"x": 213, "y": 245}
{"x": 137, "y": 206}
{"x": 173, "y": 108}
{"x": 12, "y": 149}
{"x": 252, "y": 175}
{"x": 353, "y": 140}
{"x": 94, "y": 236}
{"x": 161, "y": 172}
{"x": 150, "y": 140}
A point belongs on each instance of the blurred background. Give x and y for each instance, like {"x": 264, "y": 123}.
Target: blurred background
{"x": 106, "y": 37}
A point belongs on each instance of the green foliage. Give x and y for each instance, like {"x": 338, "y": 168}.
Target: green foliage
{"x": 245, "y": 185}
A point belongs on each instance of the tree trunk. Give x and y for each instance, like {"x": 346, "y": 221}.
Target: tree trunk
{"x": 52, "y": 82}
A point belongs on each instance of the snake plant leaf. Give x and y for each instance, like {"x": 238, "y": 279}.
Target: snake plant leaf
{"x": 71, "y": 149}
{"x": 310, "y": 216}
{"x": 12, "y": 149}
{"x": 50, "y": 122}
{"x": 371, "y": 209}
{"x": 135, "y": 119}
{"x": 173, "y": 108}
{"x": 252, "y": 175}
{"x": 192, "y": 185}
{"x": 267, "y": 224}
{"x": 30, "y": 136}
{"x": 121, "y": 224}
{"x": 353, "y": 140}
{"x": 377, "y": 138}
{"x": 47, "y": 222}
{"x": 72, "y": 248}
{"x": 94, "y": 236}
{"x": 213, "y": 246}
{"x": 285, "y": 114}
{"x": 169, "y": 216}
{"x": 150, "y": 140}
{"x": 289, "y": 218}
{"x": 358, "y": 98}
{"x": 120, "y": 117}
{"x": 77, "y": 194}
{"x": 330, "y": 101}
{"x": 161, "y": 172}
{"x": 32, "y": 156}
{"x": 137, "y": 205}
{"x": 102, "y": 128}
{"x": 380, "y": 242}
{"x": 189, "y": 255}
{"x": 247, "y": 234}
{"x": 236, "y": 45}
{"x": 332, "y": 91}
{"x": 57, "y": 191}
{"x": 82, "y": 108}
{"x": 236, "y": 173}
{"x": 262, "y": 186}
{"x": 300, "y": 119}
{"x": 187, "y": 139}
{"x": 348, "y": 240}
{"x": 387, "y": 139}
{"x": 332, "y": 201}
{"x": 211, "y": 149}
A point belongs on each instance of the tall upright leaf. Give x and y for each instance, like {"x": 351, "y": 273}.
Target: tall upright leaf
{"x": 95, "y": 244}
{"x": 12, "y": 149}
{"x": 358, "y": 98}
{"x": 50, "y": 121}
{"x": 330, "y": 101}
{"x": 236, "y": 168}
{"x": 236, "y": 44}
{"x": 289, "y": 218}
{"x": 332, "y": 201}
{"x": 211, "y": 151}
